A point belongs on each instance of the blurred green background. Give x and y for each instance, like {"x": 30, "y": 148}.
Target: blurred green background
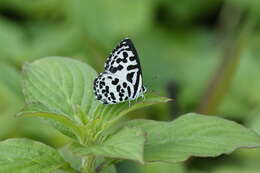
{"x": 203, "y": 53}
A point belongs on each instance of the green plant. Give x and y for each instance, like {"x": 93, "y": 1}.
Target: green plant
{"x": 59, "y": 90}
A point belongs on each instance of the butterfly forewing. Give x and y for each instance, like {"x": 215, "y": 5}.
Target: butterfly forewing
{"x": 122, "y": 70}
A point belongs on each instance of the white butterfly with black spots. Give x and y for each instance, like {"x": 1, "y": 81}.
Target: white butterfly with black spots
{"x": 122, "y": 79}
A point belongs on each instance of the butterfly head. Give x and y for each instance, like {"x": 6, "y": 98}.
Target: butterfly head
{"x": 144, "y": 89}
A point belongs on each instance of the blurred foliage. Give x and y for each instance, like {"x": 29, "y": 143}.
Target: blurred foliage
{"x": 180, "y": 44}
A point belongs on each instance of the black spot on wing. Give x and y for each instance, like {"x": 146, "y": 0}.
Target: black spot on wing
{"x": 124, "y": 60}
{"x": 129, "y": 91}
{"x": 132, "y": 58}
{"x": 112, "y": 96}
{"x": 99, "y": 97}
{"x": 131, "y": 67}
{"x": 125, "y": 54}
{"x": 115, "y": 81}
{"x": 118, "y": 60}
{"x": 120, "y": 67}
{"x": 130, "y": 76}
{"x": 115, "y": 69}
{"x": 118, "y": 87}
{"x": 137, "y": 83}
{"x": 105, "y": 102}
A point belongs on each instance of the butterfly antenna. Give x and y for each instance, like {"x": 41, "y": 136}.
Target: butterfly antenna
{"x": 148, "y": 85}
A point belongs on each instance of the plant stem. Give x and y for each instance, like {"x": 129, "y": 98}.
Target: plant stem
{"x": 88, "y": 165}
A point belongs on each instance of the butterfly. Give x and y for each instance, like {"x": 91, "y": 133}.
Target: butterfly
{"x": 122, "y": 79}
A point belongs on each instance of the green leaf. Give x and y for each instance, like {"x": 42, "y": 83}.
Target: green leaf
{"x": 254, "y": 121}
{"x": 60, "y": 84}
{"x": 126, "y": 144}
{"x": 60, "y": 122}
{"x": 28, "y": 156}
{"x": 61, "y": 89}
{"x": 162, "y": 167}
{"x": 74, "y": 161}
{"x": 117, "y": 111}
{"x": 193, "y": 135}
{"x": 56, "y": 88}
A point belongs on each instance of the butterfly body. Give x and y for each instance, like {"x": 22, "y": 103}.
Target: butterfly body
{"x": 122, "y": 80}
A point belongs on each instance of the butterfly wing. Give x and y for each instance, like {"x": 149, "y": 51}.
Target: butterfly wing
{"x": 109, "y": 89}
{"x": 124, "y": 63}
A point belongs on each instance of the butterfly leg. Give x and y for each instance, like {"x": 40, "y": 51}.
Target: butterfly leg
{"x": 143, "y": 96}
{"x": 129, "y": 103}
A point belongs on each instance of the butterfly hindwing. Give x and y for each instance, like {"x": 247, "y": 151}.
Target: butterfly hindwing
{"x": 122, "y": 65}
{"x": 109, "y": 89}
